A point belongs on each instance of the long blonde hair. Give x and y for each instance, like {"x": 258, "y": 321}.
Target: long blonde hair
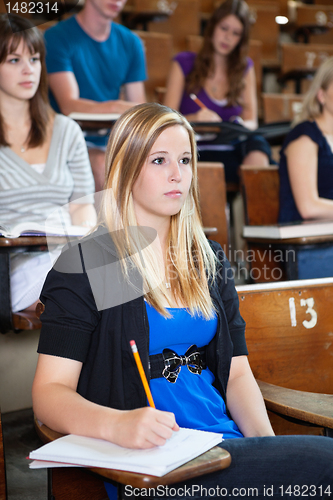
{"x": 311, "y": 107}
{"x": 190, "y": 259}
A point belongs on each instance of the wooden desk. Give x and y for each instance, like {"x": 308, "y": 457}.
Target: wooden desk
{"x": 8, "y": 246}
{"x": 265, "y": 250}
{"x": 297, "y": 76}
{"x": 24, "y": 320}
{"x": 72, "y": 483}
{"x": 135, "y": 20}
{"x": 306, "y": 31}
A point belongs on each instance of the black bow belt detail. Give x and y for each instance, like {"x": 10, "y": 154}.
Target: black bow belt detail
{"x": 169, "y": 363}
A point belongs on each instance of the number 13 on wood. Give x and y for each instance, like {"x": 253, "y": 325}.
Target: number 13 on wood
{"x": 304, "y": 302}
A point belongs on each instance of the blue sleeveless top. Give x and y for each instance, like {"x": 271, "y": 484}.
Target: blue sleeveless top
{"x": 288, "y": 210}
{"x": 192, "y": 398}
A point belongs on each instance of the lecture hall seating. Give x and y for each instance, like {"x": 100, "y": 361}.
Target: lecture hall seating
{"x": 280, "y": 107}
{"x": 290, "y": 342}
{"x": 313, "y": 16}
{"x": 213, "y": 200}
{"x": 159, "y": 50}
{"x": 304, "y": 59}
{"x": 183, "y": 21}
{"x": 273, "y": 259}
{"x": 265, "y": 29}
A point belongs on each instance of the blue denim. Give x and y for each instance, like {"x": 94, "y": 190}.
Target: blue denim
{"x": 264, "y": 467}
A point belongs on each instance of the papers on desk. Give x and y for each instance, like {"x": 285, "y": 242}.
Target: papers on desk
{"x": 183, "y": 446}
{"x": 302, "y": 229}
{"x": 40, "y": 229}
{"x": 103, "y": 117}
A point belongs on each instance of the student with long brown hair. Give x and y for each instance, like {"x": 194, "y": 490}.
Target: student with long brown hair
{"x": 43, "y": 157}
{"x": 222, "y": 76}
{"x": 148, "y": 273}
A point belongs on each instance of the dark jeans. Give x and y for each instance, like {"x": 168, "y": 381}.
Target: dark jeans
{"x": 278, "y": 467}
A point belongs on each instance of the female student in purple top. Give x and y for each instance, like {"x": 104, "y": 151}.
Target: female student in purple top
{"x": 87, "y": 382}
{"x": 223, "y": 78}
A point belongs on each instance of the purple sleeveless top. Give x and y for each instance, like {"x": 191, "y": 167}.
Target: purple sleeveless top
{"x": 188, "y": 106}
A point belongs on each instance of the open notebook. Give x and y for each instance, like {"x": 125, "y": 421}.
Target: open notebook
{"x": 40, "y": 229}
{"x": 183, "y": 446}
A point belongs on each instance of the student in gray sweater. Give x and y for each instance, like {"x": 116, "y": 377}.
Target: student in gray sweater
{"x": 44, "y": 163}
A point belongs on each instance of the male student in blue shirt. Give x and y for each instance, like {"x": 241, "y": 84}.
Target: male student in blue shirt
{"x": 89, "y": 59}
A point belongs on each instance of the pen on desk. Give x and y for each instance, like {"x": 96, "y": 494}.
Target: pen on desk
{"x": 142, "y": 373}
{"x": 197, "y": 101}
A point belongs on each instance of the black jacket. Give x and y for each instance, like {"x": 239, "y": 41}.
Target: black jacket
{"x": 73, "y": 327}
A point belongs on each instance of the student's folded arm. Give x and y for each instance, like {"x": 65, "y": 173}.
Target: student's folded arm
{"x": 245, "y": 402}
{"x": 250, "y": 107}
{"x": 135, "y": 92}
{"x": 302, "y": 161}
{"x": 67, "y": 94}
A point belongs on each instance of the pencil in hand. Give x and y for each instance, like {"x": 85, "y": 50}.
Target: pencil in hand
{"x": 197, "y": 101}
{"x": 142, "y": 373}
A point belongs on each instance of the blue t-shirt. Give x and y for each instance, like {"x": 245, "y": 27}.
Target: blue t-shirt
{"x": 192, "y": 398}
{"x": 100, "y": 68}
{"x": 288, "y": 209}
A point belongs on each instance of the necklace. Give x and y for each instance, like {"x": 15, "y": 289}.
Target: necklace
{"x": 167, "y": 285}
{"x": 22, "y": 149}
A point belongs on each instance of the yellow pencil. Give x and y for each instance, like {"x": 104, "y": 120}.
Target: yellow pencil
{"x": 142, "y": 373}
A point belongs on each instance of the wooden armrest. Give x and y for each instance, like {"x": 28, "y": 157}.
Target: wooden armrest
{"x": 26, "y": 320}
{"x": 310, "y": 407}
{"x": 212, "y": 460}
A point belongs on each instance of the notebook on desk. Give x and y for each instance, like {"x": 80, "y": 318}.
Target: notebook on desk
{"x": 301, "y": 229}
{"x": 183, "y": 446}
{"x": 103, "y": 117}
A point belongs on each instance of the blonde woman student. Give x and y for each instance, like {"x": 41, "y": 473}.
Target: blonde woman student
{"x": 148, "y": 273}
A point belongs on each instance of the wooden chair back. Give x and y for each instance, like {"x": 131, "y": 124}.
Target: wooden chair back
{"x": 3, "y": 489}
{"x": 289, "y": 336}
{"x": 303, "y": 56}
{"x": 158, "y": 48}
{"x": 183, "y": 21}
{"x": 314, "y": 15}
{"x": 213, "y": 200}
{"x": 260, "y": 190}
{"x": 280, "y": 107}
{"x": 265, "y": 29}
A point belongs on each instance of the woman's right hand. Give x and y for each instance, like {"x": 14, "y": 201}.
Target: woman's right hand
{"x": 142, "y": 428}
{"x": 207, "y": 115}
